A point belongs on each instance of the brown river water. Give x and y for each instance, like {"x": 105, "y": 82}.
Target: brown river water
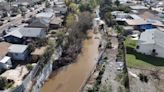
{"x": 71, "y": 77}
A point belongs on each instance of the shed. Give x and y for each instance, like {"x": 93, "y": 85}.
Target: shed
{"x": 18, "y": 52}
{"x": 5, "y": 63}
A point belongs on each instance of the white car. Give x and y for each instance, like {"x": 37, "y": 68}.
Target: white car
{"x": 120, "y": 66}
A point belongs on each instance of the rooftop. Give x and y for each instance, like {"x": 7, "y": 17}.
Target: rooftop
{"x": 24, "y": 32}
{"x": 148, "y": 15}
{"x": 5, "y": 59}
{"x": 45, "y": 15}
{"x": 39, "y": 51}
{"x": 134, "y": 16}
{"x": 56, "y": 20}
{"x": 40, "y": 22}
{"x": 136, "y": 22}
{"x": 15, "y": 48}
{"x": 156, "y": 23}
{"x": 128, "y": 28}
{"x": 138, "y": 7}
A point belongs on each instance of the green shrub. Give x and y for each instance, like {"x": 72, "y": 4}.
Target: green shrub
{"x": 5, "y": 83}
{"x": 143, "y": 78}
{"x": 29, "y": 66}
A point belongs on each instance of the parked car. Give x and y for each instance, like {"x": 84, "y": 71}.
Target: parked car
{"x": 120, "y": 66}
{"x": 1, "y": 39}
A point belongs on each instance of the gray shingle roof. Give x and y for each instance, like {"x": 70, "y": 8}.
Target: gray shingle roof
{"x": 47, "y": 15}
{"x": 25, "y": 32}
{"x": 15, "y": 48}
{"x": 40, "y": 22}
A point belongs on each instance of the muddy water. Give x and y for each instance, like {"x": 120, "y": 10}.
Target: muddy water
{"x": 71, "y": 77}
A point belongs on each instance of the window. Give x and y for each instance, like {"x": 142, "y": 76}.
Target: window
{"x": 154, "y": 50}
{"x": 16, "y": 54}
{"x": 137, "y": 47}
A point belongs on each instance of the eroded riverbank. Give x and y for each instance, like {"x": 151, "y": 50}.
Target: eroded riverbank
{"x": 70, "y": 78}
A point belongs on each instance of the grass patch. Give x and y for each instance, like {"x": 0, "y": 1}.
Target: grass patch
{"x": 142, "y": 61}
{"x": 138, "y": 60}
{"x": 130, "y": 43}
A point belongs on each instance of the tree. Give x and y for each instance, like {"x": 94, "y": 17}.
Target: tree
{"x": 93, "y": 3}
{"x": 47, "y": 4}
{"x": 119, "y": 29}
{"x": 109, "y": 18}
{"x": 124, "y": 8}
{"x": 31, "y": 47}
{"x": 117, "y": 3}
{"x": 76, "y": 33}
{"x": 67, "y": 2}
{"x": 84, "y": 7}
{"x": 73, "y": 7}
{"x": 41, "y": 42}
{"x": 69, "y": 19}
{"x": 105, "y": 6}
{"x": 29, "y": 67}
{"x": 5, "y": 83}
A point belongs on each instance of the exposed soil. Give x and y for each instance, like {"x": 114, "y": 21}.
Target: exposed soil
{"x": 155, "y": 82}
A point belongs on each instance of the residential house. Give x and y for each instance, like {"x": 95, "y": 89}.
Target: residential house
{"x": 24, "y": 34}
{"x": 60, "y": 6}
{"x": 25, "y": 2}
{"x": 156, "y": 23}
{"x": 139, "y": 24}
{"x": 40, "y": 23}
{"x": 46, "y": 15}
{"x": 138, "y": 7}
{"x": 149, "y": 15}
{"x": 60, "y": 10}
{"x": 151, "y": 43}
{"x": 123, "y": 1}
{"x": 56, "y": 23}
{"x": 120, "y": 17}
{"x": 161, "y": 14}
{"x": 18, "y": 52}
{"x": 42, "y": 20}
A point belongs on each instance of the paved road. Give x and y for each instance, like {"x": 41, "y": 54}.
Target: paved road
{"x": 18, "y": 19}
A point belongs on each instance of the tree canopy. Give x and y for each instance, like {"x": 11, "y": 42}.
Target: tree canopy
{"x": 117, "y": 3}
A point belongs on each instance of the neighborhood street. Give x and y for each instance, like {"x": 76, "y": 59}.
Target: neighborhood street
{"x": 18, "y": 19}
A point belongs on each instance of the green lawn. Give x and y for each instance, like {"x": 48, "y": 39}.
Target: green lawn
{"x": 130, "y": 43}
{"x": 138, "y": 60}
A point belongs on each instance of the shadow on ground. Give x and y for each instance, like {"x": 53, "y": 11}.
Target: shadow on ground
{"x": 146, "y": 58}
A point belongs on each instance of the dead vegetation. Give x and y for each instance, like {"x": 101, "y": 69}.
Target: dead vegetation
{"x": 72, "y": 41}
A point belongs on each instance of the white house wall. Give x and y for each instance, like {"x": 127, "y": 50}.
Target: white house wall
{"x": 145, "y": 48}
{"x": 160, "y": 51}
